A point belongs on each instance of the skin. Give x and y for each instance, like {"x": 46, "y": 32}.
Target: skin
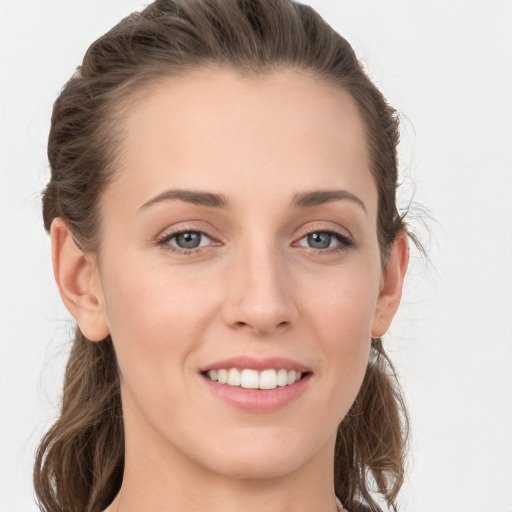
{"x": 254, "y": 286}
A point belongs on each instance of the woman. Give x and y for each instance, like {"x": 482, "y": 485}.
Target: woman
{"x": 225, "y": 234}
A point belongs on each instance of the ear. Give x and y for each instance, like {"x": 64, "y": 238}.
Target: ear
{"x": 79, "y": 282}
{"x": 392, "y": 281}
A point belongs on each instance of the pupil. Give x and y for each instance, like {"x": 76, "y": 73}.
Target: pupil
{"x": 189, "y": 240}
{"x": 319, "y": 240}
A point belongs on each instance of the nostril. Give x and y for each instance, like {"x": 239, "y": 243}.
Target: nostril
{"x": 259, "y": 328}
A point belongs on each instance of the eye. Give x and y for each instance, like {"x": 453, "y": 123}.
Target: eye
{"x": 189, "y": 240}
{"x": 319, "y": 240}
{"x": 324, "y": 240}
{"x": 186, "y": 240}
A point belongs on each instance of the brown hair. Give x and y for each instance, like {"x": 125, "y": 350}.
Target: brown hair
{"x": 79, "y": 462}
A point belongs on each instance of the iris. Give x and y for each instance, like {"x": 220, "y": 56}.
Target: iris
{"x": 320, "y": 240}
{"x": 188, "y": 240}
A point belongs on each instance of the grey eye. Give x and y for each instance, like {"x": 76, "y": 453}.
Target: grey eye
{"x": 185, "y": 241}
{"x": 188, "y": 240}
{"x": 320, "y": 240}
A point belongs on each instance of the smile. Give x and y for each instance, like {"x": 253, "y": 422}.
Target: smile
{"x": 257, "y": 385}
{"x": 249, "y": 378}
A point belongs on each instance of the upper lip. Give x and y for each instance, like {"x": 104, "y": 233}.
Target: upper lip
{"x": 254, "y": 363}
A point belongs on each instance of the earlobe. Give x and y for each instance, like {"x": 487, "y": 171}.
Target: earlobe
{"x": 393, "y": 274}
{"x": 78, "y": 281}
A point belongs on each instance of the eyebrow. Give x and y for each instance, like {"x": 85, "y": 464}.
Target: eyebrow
{"x": 189, "y": 196}
{"x": 209, "y": 199}
{"x": 318, "y": 197}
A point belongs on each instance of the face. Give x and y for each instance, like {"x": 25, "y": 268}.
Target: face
{"x": 239, "y": 243}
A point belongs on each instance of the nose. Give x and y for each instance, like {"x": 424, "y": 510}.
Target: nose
{"x": 259, "y": 294}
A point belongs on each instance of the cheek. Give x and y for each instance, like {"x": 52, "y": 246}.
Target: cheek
{"x": 154, "y": 320}
{"x": 341, "y": 316}
{"x": 345, "y": 302}
{"x": 157, "y": 321}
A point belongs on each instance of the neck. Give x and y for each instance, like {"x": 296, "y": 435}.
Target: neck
{"x": 233, "y": 496}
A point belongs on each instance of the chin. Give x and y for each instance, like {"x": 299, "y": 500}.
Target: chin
{"x": 264, "y": 456}
{"x": 257, "y": 468}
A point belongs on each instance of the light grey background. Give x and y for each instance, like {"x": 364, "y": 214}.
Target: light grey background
{"x": 446, "y": 65}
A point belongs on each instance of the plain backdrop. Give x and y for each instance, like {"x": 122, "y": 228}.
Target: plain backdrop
{"x": 446, "y": 65}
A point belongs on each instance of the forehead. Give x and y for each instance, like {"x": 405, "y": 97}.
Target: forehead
{"x": 218, "y": 130}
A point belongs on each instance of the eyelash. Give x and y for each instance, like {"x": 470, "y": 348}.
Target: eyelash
{"x": 164, "y": 240}
{"x": 344, "y": 242}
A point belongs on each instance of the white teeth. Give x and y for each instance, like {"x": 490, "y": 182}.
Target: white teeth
{"x": 268, "y": 379}
{"x": 252, "y": 379}
{"x": 233, "y": 377}
{"x": 282, "y": 377}
{"x": 222, "y": 376}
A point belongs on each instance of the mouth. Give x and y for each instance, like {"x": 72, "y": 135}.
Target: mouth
{"x": 249, "y": 378}
{"x": 257, "y": 385}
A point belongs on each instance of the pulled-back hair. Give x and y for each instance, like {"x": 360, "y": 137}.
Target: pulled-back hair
{"x": 80, "y": 461}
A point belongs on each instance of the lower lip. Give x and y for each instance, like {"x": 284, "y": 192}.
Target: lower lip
{"x": 259, "y": 400}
